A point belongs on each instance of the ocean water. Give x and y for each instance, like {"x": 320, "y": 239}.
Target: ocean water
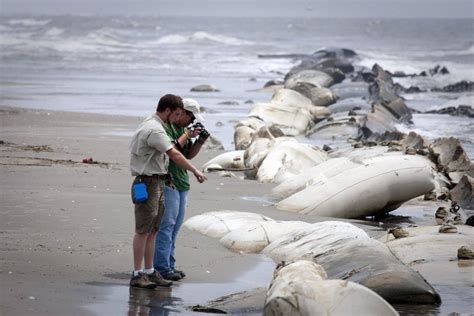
{"x": 122, "y": 65}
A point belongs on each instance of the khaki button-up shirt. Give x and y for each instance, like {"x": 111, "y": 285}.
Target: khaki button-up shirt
{"x": 148, "y": 148}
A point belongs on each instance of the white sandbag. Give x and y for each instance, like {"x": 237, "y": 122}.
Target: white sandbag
{"x": 256, "y": 236}
{"x": 231, "y": 160}
{"x": 217, "y": 224}
{"x": 287, "y": 159}
{"x": 312, "y": 176}
{"x": 291, "y": 120}
{"x": 347, "y": 252}
{"x": 381, "y": 184}
{"x": 301, "y": 288}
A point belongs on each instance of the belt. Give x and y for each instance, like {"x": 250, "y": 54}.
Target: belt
{"x": 165, "y": 176}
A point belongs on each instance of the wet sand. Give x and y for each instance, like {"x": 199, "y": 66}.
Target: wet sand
{"x": 67, "y": 226}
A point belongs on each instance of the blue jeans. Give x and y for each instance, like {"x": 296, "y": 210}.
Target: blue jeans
{"x": 175, "y": 207}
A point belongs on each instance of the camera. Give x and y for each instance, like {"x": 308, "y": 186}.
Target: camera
{"x": 204, "y": 134}
{"x": 195, "y": 126}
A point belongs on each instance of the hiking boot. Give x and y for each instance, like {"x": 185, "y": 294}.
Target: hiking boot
{"x": 141, "y": 281}
{"x": 172, "y": 276}
{"x": 183, "y": 275}
{"x": 156, "y": 278}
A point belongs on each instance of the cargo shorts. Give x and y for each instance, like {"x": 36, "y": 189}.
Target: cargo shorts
{"x": 148, "y": 214}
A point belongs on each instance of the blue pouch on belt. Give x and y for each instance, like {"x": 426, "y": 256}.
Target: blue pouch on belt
{"x": 140, "y": 193}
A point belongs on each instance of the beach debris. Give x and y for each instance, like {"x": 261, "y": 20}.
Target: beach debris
{"x": 427, "y": 242}
{"x": 302, "y": 288}
{"x": 398, "y": 232}
{"x": 206, "y": 309}
{"x": 88, "y": 160}
{"x": 205, "y": 88}
{"x": 451, "y": 216}
{"x": 466, "y": 253}
{"x": 448, "y": 227}
{"x": 440, "y": 214}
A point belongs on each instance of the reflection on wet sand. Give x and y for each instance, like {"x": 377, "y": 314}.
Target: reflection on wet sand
{"x": 152, "y": 302}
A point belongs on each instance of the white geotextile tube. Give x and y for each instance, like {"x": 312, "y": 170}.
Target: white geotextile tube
{"x": 301, "y": 288}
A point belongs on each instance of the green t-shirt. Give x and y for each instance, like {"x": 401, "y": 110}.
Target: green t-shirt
{"x": 180, "y": 175}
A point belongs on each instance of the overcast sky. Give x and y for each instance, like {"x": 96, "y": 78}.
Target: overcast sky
{"x": 256, "y": 8}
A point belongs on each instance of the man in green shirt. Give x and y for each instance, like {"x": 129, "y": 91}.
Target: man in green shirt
{"x": 176, "y": 192}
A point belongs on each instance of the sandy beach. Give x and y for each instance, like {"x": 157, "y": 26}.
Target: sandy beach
{"x": 67, "y": 226}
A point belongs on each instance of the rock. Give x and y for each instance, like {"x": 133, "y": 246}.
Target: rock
{"x": 461, "y": 110}
{"x": 463, "y": 192}
{"x": 274, "y": 82}
{"x": 470, "y": 221}
{"x": 213, "y": 143}
{"x": 228, "y": 103}
{"x": 440, "y": 214}
{"x": 204, "y": 88}
{"x": 448, "y": 228}
{"x": 430, "y": 196}
{"x": 451, "y": 155}
{"x": 399, "y": 232}
{"x": 462, "y": 86}
{"x": 466, "y": 253}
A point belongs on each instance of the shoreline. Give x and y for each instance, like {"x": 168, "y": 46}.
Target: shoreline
{"x": 67, "y": 226}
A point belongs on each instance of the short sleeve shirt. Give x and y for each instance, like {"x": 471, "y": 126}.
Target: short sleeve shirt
{"x": 180, "y": 175}
{"x": 148, "y": 148}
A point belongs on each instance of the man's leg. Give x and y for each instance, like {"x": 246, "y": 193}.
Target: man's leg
{"x": 149, "y": 250}
{"x": 183, "y": 202}
{"x": 139, "y": 242}
{"x": 139, "y": 279}
{"x": 164, "y": 236}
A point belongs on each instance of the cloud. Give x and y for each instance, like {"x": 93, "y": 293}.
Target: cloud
{"x": 252, "y": 8}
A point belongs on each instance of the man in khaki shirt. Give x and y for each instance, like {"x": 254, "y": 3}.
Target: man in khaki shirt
{"x": 150, "y": 148}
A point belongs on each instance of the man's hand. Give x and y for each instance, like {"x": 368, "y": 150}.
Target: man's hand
{"x": 200, "y": 176}
{"x": 196, "y": 129}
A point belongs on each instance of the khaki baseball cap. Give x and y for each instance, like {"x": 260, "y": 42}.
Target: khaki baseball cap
{"x": 192, "y": 106}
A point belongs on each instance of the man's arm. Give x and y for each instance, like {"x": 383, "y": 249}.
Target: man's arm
{"x": 181, "y": 161}
{"x": 196, "y": 147}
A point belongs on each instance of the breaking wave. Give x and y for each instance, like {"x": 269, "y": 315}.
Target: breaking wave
{"x": 174, "y": 39}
